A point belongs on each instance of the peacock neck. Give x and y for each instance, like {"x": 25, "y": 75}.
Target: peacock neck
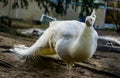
{"x": 82, "y": 45}
{"x": 86, "y": 34}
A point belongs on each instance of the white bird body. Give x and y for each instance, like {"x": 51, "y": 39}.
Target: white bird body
{"x": 77, "y": 43}
{"x": 71, "y": 40}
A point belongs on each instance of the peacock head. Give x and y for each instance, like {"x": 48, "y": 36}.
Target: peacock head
{"x": 90, "y": 19}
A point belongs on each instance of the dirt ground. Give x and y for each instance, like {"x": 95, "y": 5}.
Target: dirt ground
{"x": 49, "y": 68}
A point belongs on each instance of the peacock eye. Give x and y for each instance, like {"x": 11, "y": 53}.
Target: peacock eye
{"x": 94, "y": 16}
{"x": 90, "y": 19}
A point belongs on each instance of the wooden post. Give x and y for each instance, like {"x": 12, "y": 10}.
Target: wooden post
{"x": 9, "y": 13}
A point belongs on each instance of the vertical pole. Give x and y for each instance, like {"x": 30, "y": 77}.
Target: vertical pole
{"x": 105, "y": 8}
{"x": 17, "y": 10}
{"x": 9, "y": 8}
{"x": 118, "y": 24}
{"x": 9, "y": 13}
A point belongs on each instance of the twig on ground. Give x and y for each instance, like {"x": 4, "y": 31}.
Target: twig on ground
{"x": 5, "y": 64}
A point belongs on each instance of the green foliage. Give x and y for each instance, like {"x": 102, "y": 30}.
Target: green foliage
{"x": 88, "y": 6}
{"x": 20, "y": 4}
{"x": 5, "y": 2}
{"x": 60, "y": 7}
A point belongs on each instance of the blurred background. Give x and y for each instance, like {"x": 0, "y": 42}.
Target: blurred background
{"x": 24, "y": 21}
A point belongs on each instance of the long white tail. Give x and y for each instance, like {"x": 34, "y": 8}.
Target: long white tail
{"x": 40, "y": 43}
{"x": 112, "y": 39}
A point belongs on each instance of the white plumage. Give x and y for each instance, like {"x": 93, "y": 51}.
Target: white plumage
{"x": 71, "y": 40}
